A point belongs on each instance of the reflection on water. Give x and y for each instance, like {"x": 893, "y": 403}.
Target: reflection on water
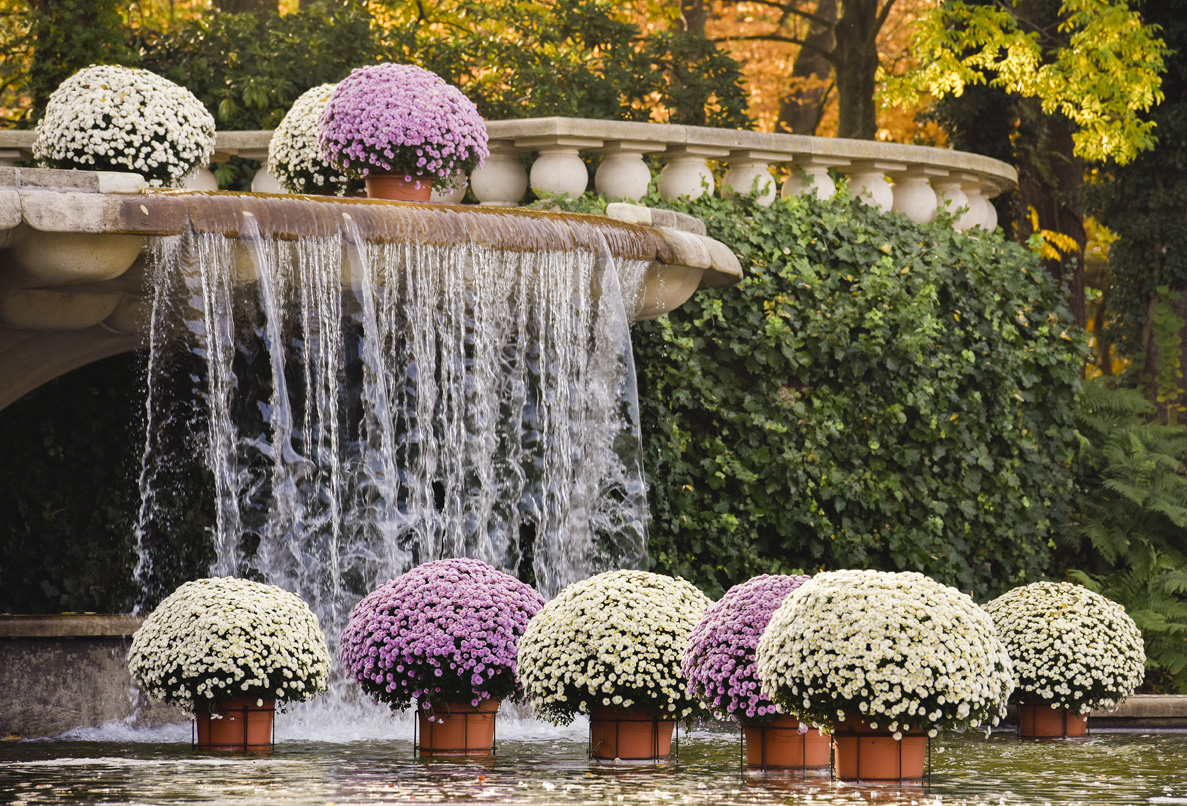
{"x": 542, "y": 766}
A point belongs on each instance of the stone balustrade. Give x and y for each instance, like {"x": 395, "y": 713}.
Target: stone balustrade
{"x": 914, "y": 180}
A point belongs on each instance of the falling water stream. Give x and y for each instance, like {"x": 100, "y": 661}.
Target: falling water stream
{"x": 375, "y": 399}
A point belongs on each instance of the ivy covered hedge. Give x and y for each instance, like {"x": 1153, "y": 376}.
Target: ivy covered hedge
{"x": 875, "y": 394}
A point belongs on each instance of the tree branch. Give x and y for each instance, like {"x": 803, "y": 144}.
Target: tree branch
{"x": 790, "y": 8}
{"x": 884, "y": 14}
{"x": 828, "y": 55}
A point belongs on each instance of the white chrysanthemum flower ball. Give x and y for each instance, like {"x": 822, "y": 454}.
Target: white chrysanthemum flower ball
{"x": 615, "y": 639}
{"x": 899, "y": 651}
{"x": 1070, "y": 647}
{"x": 223, "y": 637}
{"x": 111, "y": 118}
{"x": 293, "y": 154}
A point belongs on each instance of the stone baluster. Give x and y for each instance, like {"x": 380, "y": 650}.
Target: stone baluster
{"x": 623, "y": 175}
{"x": 951, "y": 196}
{"x": 265, "y": 182}
{"x": 502, "y": 180}
{"x": 686, "y": 172}
{"x": 990, "y": 190}
{"x": 454, "y": 193}
{"x": 914, "y": 196}
{"x": 748, "y": 171}
{"x": 982, "y": 212}
{"x": 203, "y": 179}
{"x": 867, "y": 182}
{"x": 9, "y": 157}
{"x": 558, "y": 168}
{"x": 809, "y": 174}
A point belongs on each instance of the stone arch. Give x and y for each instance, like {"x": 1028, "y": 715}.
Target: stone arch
{"x": 29, "y": 358}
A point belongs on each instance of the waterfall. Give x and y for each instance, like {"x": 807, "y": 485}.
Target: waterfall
{"x": 373, "y": 400}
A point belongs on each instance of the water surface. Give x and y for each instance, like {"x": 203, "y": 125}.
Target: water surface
{"x": 537, "y": 764}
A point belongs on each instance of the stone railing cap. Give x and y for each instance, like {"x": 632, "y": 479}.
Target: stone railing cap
{"x": 69, "y": 625}
{"x": 652, "y": 217}
{"x": 793, "y": 147}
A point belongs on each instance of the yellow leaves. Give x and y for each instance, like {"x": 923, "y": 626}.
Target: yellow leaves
{"x": 1108, "y": 74}
{"x": 1048, "y": 242}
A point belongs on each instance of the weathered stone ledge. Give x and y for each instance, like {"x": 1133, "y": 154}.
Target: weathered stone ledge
{"x": 1145, "y": 711}
{"x": 61, "y": 672}
{"x": 69, "y": 625}
{"x": 72, "y": 247}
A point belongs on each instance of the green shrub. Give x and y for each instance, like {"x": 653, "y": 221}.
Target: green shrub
{"x": 875, "y": 394}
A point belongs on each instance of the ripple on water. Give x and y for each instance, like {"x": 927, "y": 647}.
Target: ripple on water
{"x": 538, "y": 764}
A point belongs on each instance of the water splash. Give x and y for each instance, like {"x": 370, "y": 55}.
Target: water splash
{"x": 380, "y": 393}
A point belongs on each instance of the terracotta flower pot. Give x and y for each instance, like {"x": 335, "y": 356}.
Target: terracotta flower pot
{"x": 1039, "y": 720}
{"x": 237, "y": 723}
{"x": 630, "y": 734}
{"x": 865, "y": 754}
{"x": 458, "y": 728}
{"x": 779, "y": 745}
{"x": 395, "y": 187}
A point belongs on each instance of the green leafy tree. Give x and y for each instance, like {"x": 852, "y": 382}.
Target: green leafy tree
{"x": 1072, "y": 79}
{"x": 1141, "y": 203}
{"x": 249, "y": 68}
{"x": 67, "y": 36}
{"x": 1094, "y": 62}
{"x": 579, "y": 58}
{"x": 16, "y": 55}
{"x": 875, "y": 393}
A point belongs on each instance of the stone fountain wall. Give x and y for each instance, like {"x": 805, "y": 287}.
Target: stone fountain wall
{"x": 60, "y": 673}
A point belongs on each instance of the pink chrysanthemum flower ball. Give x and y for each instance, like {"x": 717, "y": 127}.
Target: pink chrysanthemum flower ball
{"x": 445, "y": 631}
{"x": 719, "y": 660}
{"x": 401, "y": 119}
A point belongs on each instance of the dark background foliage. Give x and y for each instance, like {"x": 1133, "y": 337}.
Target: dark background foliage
{"x": 68, "y": 495}
{"x": 1129, "y": 514}
{"x": 875, "y": 394}
{"x": 69, "y": 498}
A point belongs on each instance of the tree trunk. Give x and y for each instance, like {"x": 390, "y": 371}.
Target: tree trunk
{"x": 1047, "y": 183}
{"x": 856, "y": 62}
{"x": 801, "y": 109}
{"x": 694, "y": 13}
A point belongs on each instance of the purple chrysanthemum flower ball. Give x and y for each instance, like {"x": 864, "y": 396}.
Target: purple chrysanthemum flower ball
{"x": 446, "y": 631}
{"x": 401, "y": 119}
{"x": 719, "y": 660}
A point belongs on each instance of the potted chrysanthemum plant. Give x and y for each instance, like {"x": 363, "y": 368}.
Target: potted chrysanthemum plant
{"x": 443, "y": 636}
{"x": 610, "y": 646}
{"x": 228, "y": 650}
{"x": 293, "y": 154}
{"x": 111, "y": 118}
{"x": 719, "y": 665}
{"x": 402, "y": 129}
{"x": 887, "y": 660}
{"x": 1072, "y": 651}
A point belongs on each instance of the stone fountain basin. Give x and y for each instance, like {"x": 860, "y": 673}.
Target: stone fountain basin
{"x": 71, "y": 242}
